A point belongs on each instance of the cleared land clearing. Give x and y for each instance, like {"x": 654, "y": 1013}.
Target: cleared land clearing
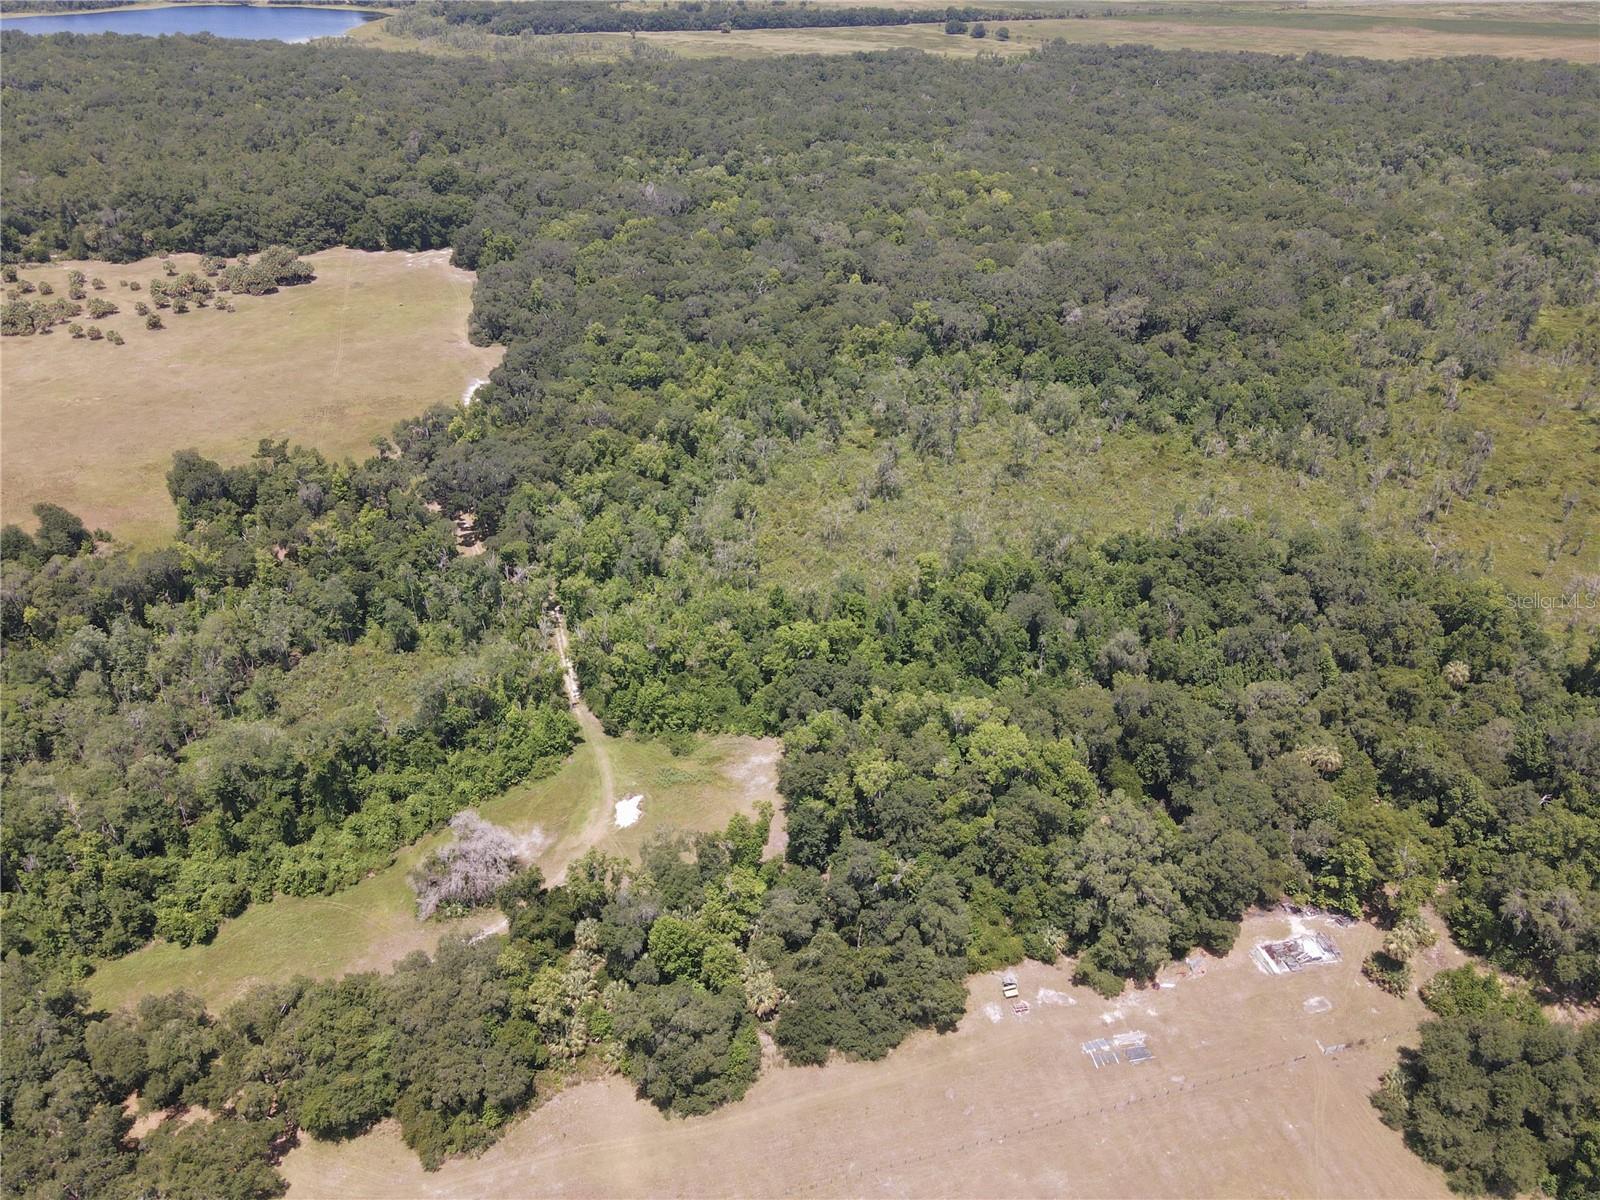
{"x": 1388, "y": 32}
{"x": 1239, "y": 1101}
{"x": 373, "y": 925}
{"x": 331, "y": 364}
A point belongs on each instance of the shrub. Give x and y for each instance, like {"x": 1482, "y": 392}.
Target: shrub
{"x": 1392, "y": 974}
{"x": 469, "y": 871}
{"x": 274, "y": 267}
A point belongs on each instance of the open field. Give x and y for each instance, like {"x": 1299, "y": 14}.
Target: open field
{"x": 373, "y": 925}
{"x": 1239, "y": 1101}
{"x": 1130, "y": 481}
{"x": 1390, "y": 31}
{"x": 375, "y": 338}
{"x": 1532, "y": 520}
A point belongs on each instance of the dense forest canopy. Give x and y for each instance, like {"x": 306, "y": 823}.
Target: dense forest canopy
{"x": 1105, "y": 748}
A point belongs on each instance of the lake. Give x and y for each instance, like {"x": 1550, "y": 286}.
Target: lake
{"x": 278, "y": 23}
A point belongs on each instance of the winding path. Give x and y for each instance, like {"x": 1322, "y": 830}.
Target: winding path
{"x": 599, "y": 821}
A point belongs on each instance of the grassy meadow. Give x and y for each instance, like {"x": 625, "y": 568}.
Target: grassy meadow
{"x": 1532, "y": 520}
{"x": 92, "y": 426}
{"x": 373, "y": 925}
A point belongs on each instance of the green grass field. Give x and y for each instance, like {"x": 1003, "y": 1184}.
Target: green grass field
{"x": 809, "y": 525}
{"x": 373, "y": 925}
{"x": 1534, "y": 519}
{"x": 377, "y": 337}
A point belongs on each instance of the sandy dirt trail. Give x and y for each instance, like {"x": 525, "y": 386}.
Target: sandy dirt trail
{"x": 600, "y": 821}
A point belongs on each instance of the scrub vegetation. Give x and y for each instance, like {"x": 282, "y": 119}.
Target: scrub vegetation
{"x": 1070, "y": 738}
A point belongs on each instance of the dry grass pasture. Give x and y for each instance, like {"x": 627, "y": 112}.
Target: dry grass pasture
{"x": 373, "y": 925}
{"x": 330, "y": 364}
{"x": 1387, "y": 31}
{"x": 1239, "y": 1101}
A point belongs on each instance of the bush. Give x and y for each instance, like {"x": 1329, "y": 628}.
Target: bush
{"x": 274, "y": 267}
{"x": 1392, "y": 974}
{"x": 468, "y": 872}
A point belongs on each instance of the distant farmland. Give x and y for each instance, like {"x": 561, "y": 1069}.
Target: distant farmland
{"x": 1386, "y": 31}
{"x": 1371, "y": 38}
{"x": 330, "y": 364}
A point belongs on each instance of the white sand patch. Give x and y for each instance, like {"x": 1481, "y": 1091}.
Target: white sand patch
{"x": 1053, "y": 997}
{"x": 992, "y": 1011}
{"x": 471, "y": 390}
{"x": 628, "y": 810}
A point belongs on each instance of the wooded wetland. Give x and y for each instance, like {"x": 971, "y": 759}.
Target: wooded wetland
{"x": 1138, "y": 488}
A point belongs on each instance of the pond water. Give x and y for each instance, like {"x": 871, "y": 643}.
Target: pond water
{"x": 278, "y": 23}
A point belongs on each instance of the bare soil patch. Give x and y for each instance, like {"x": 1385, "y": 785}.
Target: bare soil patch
{"x": 1241, "y": 1098}
{"x": 375, "y": 338}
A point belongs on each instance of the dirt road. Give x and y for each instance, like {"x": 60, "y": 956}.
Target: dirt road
{"x": 601, "y": 818}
